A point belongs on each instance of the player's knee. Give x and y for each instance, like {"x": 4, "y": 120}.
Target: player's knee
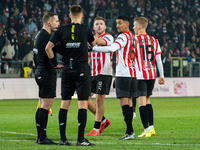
{"x": 65, "y": 104}
{"x": 46, "y": 106}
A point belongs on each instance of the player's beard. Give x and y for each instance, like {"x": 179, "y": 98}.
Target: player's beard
{"x": 100, "y": 32}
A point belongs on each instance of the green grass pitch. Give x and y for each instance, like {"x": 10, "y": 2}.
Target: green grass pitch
{"x": 176, "y": 121}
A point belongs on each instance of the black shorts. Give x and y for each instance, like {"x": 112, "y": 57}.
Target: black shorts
{"x": 78, "y": 79}
{"x": 126, "y": 87}
{"x": 145, "y": 87}
{"x": 101, "y": 84}
{"x": 46, "y": 80}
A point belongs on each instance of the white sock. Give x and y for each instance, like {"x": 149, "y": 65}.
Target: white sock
{"x": 96, "y": 129}
{"x": 146, "y": 129}
{"x": 150, "y": 127}
{"x": 103, "y": 121}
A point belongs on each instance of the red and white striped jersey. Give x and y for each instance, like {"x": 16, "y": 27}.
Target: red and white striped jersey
{"x": 146, "y": 49}
{"x": 101, "y": 63}
{"x": 125, "y": 56}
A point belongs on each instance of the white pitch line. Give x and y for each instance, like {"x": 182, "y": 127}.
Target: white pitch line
{"x": 110, "y": 143}
{"x": 166, "y": 144}
{"x": 150, "y": 144}
{"x": 14, "y": 140}
{"x": 18, "y": 133}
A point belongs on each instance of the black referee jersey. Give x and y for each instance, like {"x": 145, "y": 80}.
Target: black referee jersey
{"x": 73, "y": 38}
{"x": 40, "y": 56}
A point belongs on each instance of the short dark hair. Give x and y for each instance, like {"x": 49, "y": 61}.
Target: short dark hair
{"x": 49, "y": 15}
{"x": 99, "y": 18}
{"x": 76, "y": 10}
{"x": 124, "y": 18}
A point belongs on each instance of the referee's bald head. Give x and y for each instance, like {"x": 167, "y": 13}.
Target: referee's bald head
{"x": 76, "y": 10}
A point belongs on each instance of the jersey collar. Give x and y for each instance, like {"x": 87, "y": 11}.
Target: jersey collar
{"x": 103, "y": 35}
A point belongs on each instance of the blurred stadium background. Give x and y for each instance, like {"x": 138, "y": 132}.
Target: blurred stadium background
{"x": 175, "y": 23}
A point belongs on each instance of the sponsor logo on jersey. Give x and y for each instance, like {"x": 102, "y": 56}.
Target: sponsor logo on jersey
{"x": 73, "y": 45}
{"x": 95, "y": 57}
{"x": 149, "y": 66}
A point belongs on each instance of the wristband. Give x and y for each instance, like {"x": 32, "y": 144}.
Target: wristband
{"x": 89, "y": 48}
{"x": 54, "y": 61}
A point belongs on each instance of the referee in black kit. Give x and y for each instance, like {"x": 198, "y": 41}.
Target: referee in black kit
{"x": 76, "y": 71}
{"x": 45, "y": 74}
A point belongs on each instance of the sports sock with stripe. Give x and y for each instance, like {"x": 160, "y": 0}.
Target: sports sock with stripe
{"x": 43, "y": 119}
{"x": 97, "y": 125}
{"x": 37, "y": 123}
{"x": 62, "y": 116}
{"x": 82, "y": 118}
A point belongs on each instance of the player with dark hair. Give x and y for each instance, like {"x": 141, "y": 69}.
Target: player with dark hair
{"x": 101, "y": 72}
{"x": 45, "y": 74}
{"x": 76, "y": 71}
{"x": 125, "y": 81}
{"x": 147, "y": 49}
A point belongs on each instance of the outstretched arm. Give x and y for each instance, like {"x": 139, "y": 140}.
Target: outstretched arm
{"x": 107, "y": 49}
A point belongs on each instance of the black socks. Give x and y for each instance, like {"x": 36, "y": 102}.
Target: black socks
{"x": 127, "y": 118}
{"x": 144, "y": 116}
{"x": 37, "y": 123}
{"x": 43, "y": 118}
{"x": 82, "y": 118}
{"x": 150, "y": 113}
{"x": 62, "y": 117}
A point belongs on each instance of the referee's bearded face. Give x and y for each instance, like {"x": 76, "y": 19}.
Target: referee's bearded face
{"x": 99, "y": 27}
{"x": 55, "y": 23}
{"x": 121, "y": 25}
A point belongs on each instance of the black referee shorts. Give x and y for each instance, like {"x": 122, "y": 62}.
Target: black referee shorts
{"x": 101, "y": 84}
{"x": 145, "y": 87}
{"x": 78, "y": 79}
{"x": 126, "y": 87}
{"x": 46, "y": 80}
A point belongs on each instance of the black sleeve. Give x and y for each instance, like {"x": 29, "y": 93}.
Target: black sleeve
{"x": 57, "y": 48}
{"x": 56, "y": 36}
{"x": 90, "y": 36}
